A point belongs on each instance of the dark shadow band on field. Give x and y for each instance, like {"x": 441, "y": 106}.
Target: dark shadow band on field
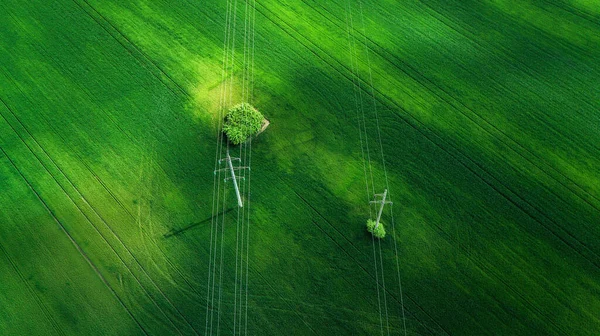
{"x": 176, "y": 232}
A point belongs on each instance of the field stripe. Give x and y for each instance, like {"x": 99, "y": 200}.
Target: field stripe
{"x": 313, "y": 209}
{"x": 75, "y": 244}
{"x": 283, "y": 299}
{"x": 132, "y": 48}
{"x": 421, "y": 128}
{"x": 449, "y": 239}
{"x": 388, "y": 189}
{"x": 31, "y": 292}
{"x": 463, "y": 30}
{"x": 79, "y": 209}
{"x": 149, "y": 50}
{"x": 575, "y": 11}
{"x": 116, "y": 200}
{"x": 446, "y": 97}
{"x": 515, "y": 203}
{"x": 101, "y": 218}
{"x": 473, "y": 171}
{"x": 529, "y": 71}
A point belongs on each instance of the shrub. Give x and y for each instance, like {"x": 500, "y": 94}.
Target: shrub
{"x": 378, "y": 232}
{"x": 241, "y": 122}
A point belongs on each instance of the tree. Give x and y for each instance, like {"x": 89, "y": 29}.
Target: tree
{"x": 241, "y": 122}
{"x": 378, "y": 232}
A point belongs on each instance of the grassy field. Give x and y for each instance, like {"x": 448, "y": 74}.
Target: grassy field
{"x": 488, "y": 113}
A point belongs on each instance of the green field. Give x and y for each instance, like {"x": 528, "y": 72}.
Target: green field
{"x": 483, "y": 117}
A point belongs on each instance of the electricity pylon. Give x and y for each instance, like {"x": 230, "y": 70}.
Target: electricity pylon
{"x": 233, "y": 177}
{"x": 383, "y": 202}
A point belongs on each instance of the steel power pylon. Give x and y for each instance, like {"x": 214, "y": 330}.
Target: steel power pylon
{"x": 233, "y": 177}
{"x": 383, "y": 202}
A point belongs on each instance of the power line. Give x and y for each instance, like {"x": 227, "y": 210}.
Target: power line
{"x": 383, "y": 163}
{"x": 235, "y": 173}
{"x": 364, "y": 150}
{"x": 211, "y": 281}
{"x": 251, "y": 98}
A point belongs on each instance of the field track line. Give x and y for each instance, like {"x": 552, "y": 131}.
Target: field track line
{"x": 111, "y": 193}
{"x": 91, "y": 222}
{"x": 448, "y": 98}
{"x": 430, "y": 135}
{"x": 449, "y": 239}
{"x": 146, "y": 59}
{"x": 283, "y": 299}
{"x": 327, "y": 62}
{"x": 531, "y": 153}
{"x": 192, "y": 288}
{"x": 425, "y": 130}
{"x": 97, "y": 178}
{"x": 75, "y": 244}
{"x": 310, "y": 206}
{"x": 323, "y": 308}
{"x": 463, "y": 31}
{"x": 573, "y": 10}
{"x": 145, "y": 227}
{"x": 33, "y": 293}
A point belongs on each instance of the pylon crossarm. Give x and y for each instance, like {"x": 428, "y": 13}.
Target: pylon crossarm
{"x": 379, "y": 202}
{"x": 234, "y": 168}
{"x": 229, "y": 158}
{"x": 237, "y": 177}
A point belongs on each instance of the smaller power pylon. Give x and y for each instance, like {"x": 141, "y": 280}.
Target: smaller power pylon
{"x": 383, "y": 202}
{"x": 233, "y": 177}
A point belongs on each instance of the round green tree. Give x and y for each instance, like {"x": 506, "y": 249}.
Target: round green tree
{"x": 241, "y": 122}
{"x": 379, "y": 231}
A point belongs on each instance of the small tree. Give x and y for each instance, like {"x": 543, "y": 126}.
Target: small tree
{"x": 241, "y": 122}
{"x": 378, "y": 232}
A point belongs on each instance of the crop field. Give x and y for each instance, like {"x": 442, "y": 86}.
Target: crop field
{"x": 480, "y": 118}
